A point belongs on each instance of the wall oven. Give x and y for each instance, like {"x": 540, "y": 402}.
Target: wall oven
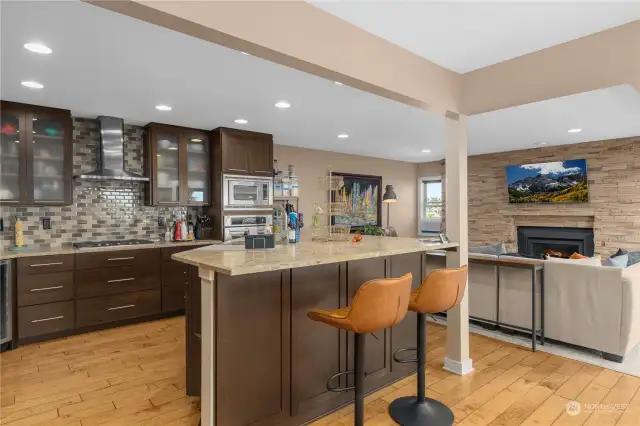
{"x": 247, "y": 192}
{"x": 6, "y": 312}
{"x": 237, "y": 226}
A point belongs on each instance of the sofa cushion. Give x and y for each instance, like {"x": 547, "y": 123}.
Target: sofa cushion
{"x": 617, "y": 261}
{"x": 588, "y": 261}
{"x": 495, "y": 249}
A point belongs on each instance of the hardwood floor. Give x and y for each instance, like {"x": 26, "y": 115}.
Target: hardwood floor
{"x": 135, "y": 376}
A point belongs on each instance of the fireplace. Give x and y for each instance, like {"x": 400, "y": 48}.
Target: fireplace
{"x": 556, "y": 242}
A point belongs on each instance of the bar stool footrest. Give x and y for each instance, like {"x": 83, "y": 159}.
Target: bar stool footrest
{"x": 407, "y": 411}
{"x": 405, "y": 360}
{"x": 332, "y": 389}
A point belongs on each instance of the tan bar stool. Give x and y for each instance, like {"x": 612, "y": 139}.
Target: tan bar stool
{"x": 440, "y": 291}
{"x": 378, "y": 304}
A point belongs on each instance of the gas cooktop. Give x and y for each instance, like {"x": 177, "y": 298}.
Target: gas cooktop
{"x": 109, "y": 243}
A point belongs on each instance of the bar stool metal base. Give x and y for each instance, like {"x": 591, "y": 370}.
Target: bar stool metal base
{"x": 407, "y": 411}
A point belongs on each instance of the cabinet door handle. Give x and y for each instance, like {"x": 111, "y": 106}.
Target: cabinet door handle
{"x": 122, "y": 258}
{"x": 121, "y": 307}
{"x": 48, "y": 319}
{"x": 120, "y": 280}
{"x": 47, "y": 288}
{"x": 262, "y": 171}
{"x": 237, "y": 170}
{"x": 45, "y": 264}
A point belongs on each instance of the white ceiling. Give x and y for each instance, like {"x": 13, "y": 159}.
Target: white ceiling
{"x": 104, "y": 63}
{"x": 464, "y": 36}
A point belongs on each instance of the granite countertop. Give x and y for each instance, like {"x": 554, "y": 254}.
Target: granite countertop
{"x": 68, "y": 249}
{"x": 305, "y": 253}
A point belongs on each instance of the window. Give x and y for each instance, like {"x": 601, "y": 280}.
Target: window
{"x": 430, "y": 205}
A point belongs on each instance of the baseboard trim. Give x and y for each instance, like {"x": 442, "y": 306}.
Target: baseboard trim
{"x": 456, "y": 367}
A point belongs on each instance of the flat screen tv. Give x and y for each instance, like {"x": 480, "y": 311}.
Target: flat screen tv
{"x": 557, "y": 182}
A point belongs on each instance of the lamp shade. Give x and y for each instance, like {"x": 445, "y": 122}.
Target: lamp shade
{"x": 389, "y": 195}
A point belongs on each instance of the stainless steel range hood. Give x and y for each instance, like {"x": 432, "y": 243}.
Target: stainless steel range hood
{"x": 111, "y": 156}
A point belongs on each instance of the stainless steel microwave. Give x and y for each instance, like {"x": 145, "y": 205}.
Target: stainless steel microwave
{"x": 247, "y": 192}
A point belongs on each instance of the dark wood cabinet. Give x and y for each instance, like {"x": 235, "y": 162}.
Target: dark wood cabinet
{"x": 244, "y": 152}
{"x": 264, "y": 338}
{"x": 178, "y": 163}
{"x": 36, "y": 154}
{"x": 61, "y": 295}
{"x": 193, "y": 336}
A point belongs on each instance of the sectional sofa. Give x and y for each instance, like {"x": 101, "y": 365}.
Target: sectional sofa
{"x": 587, "y": 305}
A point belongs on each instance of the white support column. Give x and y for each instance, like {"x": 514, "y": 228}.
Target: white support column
{"x": 208, "y": 370}
{"x": 457, "y": 360}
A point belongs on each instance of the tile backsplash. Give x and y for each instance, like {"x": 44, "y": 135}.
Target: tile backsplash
{"x": 101, "y": 210}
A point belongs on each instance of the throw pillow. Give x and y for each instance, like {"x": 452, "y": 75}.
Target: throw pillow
{"x": 620, "y": 252}
{"x": 495, "y": 249}
{"x": 634, "y": 257}
{"x": 617, "y": 261}
{"x": 578, "y": 256}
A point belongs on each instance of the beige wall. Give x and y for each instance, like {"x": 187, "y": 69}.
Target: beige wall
{"x": 311, "y": 164}
{"x": 614, "y": 194}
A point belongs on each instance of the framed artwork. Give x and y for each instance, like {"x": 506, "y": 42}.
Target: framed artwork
{"x": 363, "y": 197}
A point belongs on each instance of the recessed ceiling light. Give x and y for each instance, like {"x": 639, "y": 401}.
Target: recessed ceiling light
{"x": 343, "y": 136}
{"x": 282, "y": 104}
{"x": 541, "y": 143}
{"x": 240, "y": 121}
{"x": 338, "y": 83}
{"x": 574, "y": 130}
{"x": 172, "y": 148}
{"x": 195, "y": 140}
{"x": 426, "y": 151}
{"x": 32, "y": 84}
{"x": 38, "y": 48}
{"x": 163, "y": 107}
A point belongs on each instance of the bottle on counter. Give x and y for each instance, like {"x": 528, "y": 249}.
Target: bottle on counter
{"x": 183, "y": 229}
{"x": 177, "y": 236}
{"x": 167, "y": 234}
{"x": 19, "y": 235}
{"x": 293, "y": 227}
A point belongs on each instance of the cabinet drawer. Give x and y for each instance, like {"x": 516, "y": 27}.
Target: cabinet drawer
{"x": 109, "y": 259}
{"x": 37, "y": 289}
{"x": 167, "y": 252}
{"x": 173, "y": 297}
{"x": 100, "y": 310}
{"x": 45, "y": 264}
{"x": 45, "y": 319}
{"x": 122, "y": 279}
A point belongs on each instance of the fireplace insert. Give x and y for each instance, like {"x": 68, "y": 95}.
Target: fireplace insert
{"x": 541, "y": 241}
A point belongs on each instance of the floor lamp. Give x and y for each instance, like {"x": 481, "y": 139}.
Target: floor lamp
{"x": 388, "y": 198}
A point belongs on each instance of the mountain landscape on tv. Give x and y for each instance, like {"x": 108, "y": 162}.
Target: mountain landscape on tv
{"x": 557, "y": 182}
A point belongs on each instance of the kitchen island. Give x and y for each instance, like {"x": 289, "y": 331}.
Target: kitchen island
{"x": 263, "y": 362}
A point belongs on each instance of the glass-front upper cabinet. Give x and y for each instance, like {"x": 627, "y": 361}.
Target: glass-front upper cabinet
{"x": 198, "y": 170}
{"x": 11, "y": 148}
{"x": 35, "y": 155}
{"x": 178, "y": 163}
{"x": 167, "y": 174}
